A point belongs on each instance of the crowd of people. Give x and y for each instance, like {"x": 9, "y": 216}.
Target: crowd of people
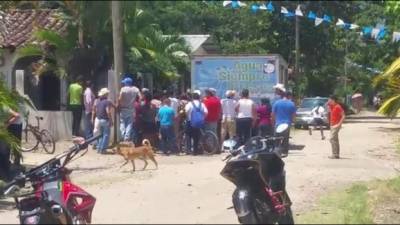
{"x": 162, "y": 117}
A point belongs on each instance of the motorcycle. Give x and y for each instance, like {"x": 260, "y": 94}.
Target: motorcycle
{"x": 257, "y": 171}
{"x": 54, "y": 199}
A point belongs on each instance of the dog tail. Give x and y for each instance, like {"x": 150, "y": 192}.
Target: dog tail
{"x": 146, "y": 142}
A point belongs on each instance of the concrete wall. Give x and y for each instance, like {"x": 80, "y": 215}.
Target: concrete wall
{"x": 57, "y": 122}
{"x": 7, "y": 67}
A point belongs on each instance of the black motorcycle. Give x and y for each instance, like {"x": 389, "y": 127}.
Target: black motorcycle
{"x": 258, "y": 173}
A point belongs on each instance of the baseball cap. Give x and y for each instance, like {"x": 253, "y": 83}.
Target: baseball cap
{"x": 280, "y": 86}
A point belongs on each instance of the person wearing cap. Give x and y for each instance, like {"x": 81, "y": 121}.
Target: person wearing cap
{"x": 213, "y": 105}
{"x": 194, "y": 133}
{"x": 103, "y": 114}
{"x": 126, "y": 100}
{"x": 283, "y": 112}
{"x": 228, "y": 125}
{"x": 279, "y": 92}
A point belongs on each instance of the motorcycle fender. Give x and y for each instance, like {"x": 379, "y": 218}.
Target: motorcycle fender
{"x": 242, "y": 202}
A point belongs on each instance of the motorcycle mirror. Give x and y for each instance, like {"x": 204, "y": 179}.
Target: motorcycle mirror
{"x": 281, "y": 128}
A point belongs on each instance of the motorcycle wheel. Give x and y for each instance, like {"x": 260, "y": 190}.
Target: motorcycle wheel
{"x": 79, "y": 220}
{"x": 257, "y": 215}
{"x": 287, "y": 218}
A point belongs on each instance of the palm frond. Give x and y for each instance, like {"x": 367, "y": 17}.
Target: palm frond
{"x": 28, "y": 51}
{"x": 391, "y": 107}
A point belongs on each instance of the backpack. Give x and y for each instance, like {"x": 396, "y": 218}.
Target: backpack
{"x": 197, "y": 116}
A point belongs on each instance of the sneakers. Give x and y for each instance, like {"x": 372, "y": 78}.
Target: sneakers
{"x": 323, "y": 138}
{"x": 333, "y": 157}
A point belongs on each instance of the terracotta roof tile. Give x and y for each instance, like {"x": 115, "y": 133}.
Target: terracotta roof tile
{"x": 17, "y": 26}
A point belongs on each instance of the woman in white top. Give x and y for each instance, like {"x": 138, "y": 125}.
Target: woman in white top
{"x": 228, "y": 125}
{"x": 246, "y": 116}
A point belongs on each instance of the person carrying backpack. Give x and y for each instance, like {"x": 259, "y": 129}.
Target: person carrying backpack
{"x": 195, "y": 114}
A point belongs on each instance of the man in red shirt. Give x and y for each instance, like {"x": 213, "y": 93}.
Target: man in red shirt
{"x": 336, "y": 119}
{"x": 214, "y": 108}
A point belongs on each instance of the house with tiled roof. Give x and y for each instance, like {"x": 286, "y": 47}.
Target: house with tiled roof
{"x": 16, "y": 29}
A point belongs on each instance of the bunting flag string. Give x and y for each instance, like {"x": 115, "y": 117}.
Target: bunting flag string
{"x": 377, "y": 33}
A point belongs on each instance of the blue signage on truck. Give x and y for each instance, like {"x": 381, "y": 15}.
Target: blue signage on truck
{"x": 257, "y": 73}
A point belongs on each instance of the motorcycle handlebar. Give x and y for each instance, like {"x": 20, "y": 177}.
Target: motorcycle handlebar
{"x": 20, "y": 179}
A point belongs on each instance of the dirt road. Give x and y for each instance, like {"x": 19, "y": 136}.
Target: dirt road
{"x": 188, "y": 189}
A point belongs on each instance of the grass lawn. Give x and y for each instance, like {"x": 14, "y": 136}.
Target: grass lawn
{"x": 362, "y": 203}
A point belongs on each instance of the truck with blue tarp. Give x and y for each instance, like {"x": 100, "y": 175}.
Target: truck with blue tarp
{"x": 258, "y": 73}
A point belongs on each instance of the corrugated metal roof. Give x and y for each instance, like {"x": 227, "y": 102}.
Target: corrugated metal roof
{"x": 194, "y": 41}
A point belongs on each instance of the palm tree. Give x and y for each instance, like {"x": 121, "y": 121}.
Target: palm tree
{"x": 390, "y": 81}
{"x": 152, "y": 51}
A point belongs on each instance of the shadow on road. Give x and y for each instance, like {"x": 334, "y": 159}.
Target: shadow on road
{"x": 366, "y": 121}
{"x": 296, "y": 147}
{"x": 388, "y": 129}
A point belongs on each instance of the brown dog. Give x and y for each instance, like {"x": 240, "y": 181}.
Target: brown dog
{"x": 130, "y": 153}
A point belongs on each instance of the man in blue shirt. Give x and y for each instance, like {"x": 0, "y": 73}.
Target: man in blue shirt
{"x": 166, "y": 115}
{"x": 284, "y": 111}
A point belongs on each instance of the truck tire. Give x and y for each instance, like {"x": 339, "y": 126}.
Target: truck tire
{"x": 287, "y": 218}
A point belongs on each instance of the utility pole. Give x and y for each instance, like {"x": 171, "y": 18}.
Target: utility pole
{"x": 116, "y": 18}
{"x": 297, "y": 47}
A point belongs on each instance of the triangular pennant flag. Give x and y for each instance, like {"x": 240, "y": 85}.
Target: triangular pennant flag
{"x": 396, "y": 36}
{"x": 298, "y": 11}
{"x": 367, "y": 31}
{"x": 318, "y": 21}
{"x": 270, "y": 7}
{"x": 327, "y": 18}
{"x": 289, "y": 14}
{"x": 225, "y": 3}
{"x": 311, "y": 15}
{"x": 353, "y": 26}
{"x": 284, "y": 10}
{"x": 375, "y": 32}
{"x": 242, "y": 4}
{"x": 263, "y": 7}
{"x": 381, "y": 34}
{"x": 340, "y": 22}
{"x": 254, "y": 8}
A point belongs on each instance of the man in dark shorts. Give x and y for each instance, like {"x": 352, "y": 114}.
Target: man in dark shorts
{"x": 318, "y": 122}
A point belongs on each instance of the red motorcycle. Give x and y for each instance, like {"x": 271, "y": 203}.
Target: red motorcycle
{"x": 54, "y": 199}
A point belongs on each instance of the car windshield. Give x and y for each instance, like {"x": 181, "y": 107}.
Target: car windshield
{"x": 312, "y": 102}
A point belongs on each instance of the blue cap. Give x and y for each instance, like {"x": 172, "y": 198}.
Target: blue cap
{"x": 127, "y": 81}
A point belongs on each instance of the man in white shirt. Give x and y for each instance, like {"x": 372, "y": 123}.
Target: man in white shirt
{"x": 194, "y": 133}
{"x": 228, "y": 115}
{"x": 88, "y": 102}
{"x": 318, "y": 122}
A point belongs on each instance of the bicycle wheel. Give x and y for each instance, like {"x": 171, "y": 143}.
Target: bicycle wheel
{"x": 181, "y": 142}
{"x": 29, "y": 140}
{"x": 47, "y": 141}
{"x": 209, "y": 141}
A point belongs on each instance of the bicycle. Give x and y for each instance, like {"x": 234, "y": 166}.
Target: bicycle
{"x": 33, "y": 135}
{"x": 208, "y": 142}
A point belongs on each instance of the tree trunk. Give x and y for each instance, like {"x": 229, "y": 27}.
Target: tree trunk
{"x": 116, "y": 17}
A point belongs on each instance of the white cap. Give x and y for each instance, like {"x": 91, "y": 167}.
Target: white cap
{"x": 197, "y": 92}
{"x": 103, "y": 91}
{"x": 280, "y": 86}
